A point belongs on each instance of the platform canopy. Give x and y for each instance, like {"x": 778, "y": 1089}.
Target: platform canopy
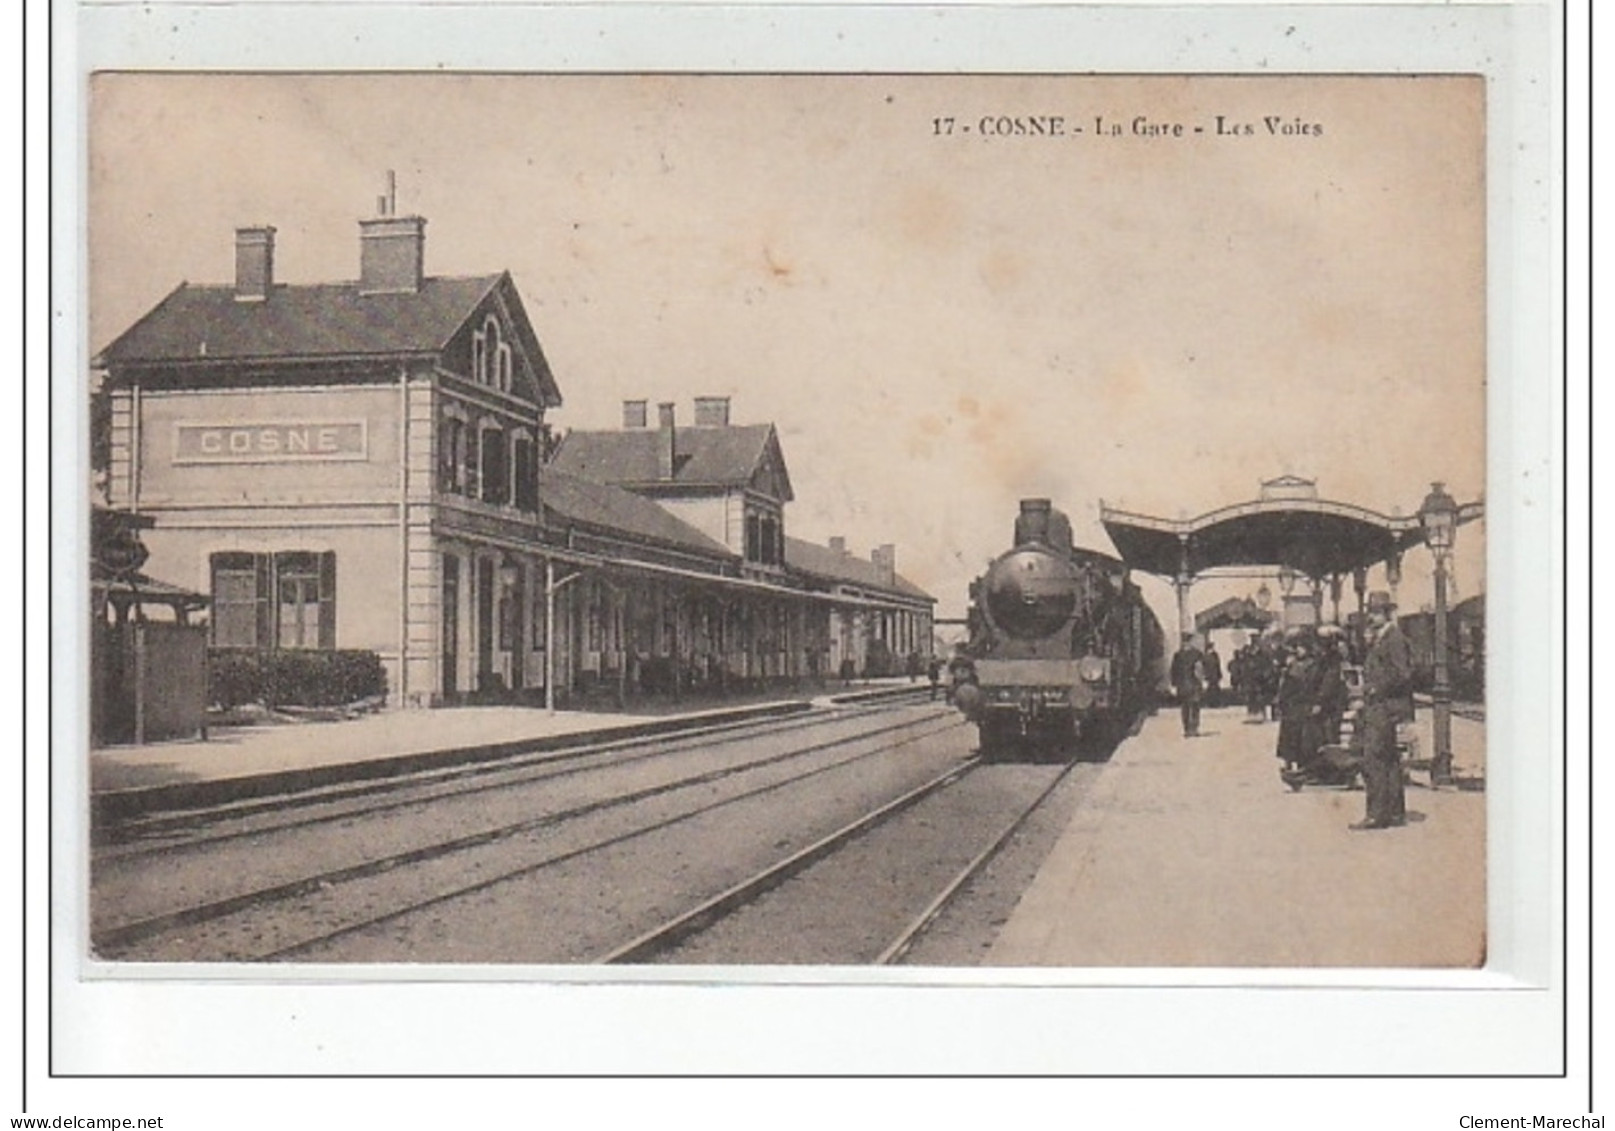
{"x": 1288, "y": 526}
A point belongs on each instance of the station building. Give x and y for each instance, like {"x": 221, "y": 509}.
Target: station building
{"x": 730, "y": 481}
{"x": 367, "y": 465}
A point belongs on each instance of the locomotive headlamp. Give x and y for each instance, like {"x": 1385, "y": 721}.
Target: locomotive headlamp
{"x": 1092, "y": 669}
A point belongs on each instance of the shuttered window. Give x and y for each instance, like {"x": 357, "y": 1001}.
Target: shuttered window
{"x": 495, "y": 467}
{"x": 235, "y": 600}
{"x": 451, "y": 457}
{"x": 285, "y": 600}
{"x": 526, "y": 476}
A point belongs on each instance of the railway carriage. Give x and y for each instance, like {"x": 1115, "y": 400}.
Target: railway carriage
{"x": 1066, "y": 654}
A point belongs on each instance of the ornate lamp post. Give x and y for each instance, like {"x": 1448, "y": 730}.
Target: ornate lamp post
{"x": 1439, "y": 517}
{"x": 1287, "y": 579}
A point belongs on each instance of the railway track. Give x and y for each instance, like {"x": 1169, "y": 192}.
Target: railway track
{"x": 794, "y": 929}
{"x": 314, "y": 910}
{"x": 154, "y": 835}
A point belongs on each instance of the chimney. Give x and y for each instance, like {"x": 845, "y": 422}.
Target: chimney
{"x": 885, "y": 559}
{"x": 392, "y": 249}
{"x": 712, "y": 412}
{"x": 1032, "y": 525}
{"x": 838, "y": 544}
{"x": 255, "y": 263}
{"x": 664, "y": 440}
{"x": 633, "y": 414}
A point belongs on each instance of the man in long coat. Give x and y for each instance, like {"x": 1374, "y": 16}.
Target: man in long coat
{"x": 1387, "y": 701}
{"x": 1296, "y": 695}
{"x": 1189, "y": 684}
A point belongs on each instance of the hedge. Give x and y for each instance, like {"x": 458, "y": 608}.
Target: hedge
{"x": 238, "y": 676}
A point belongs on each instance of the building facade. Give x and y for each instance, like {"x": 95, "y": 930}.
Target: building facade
{"x": 730, "y": 481}
{"x": 367, "y": 465}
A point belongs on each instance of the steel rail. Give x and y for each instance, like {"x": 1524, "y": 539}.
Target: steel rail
{"x": 675, "y": 930}
{"x": 910, "y": 934}
{"x": 556, "y": 762}
{"x": 573, "y": 854}
{"x": 110, "y": 940}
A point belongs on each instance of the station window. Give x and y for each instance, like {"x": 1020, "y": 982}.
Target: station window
{"x": 298, "y": 605}
{"x": 754, "y": 538}
{"x": 235, "y": 600}
{"x": 471, "y": 466}
{"x": 526, "y": 471}
{"x": 285, "y": 600}
{"x": 491, "y": 362}
{"x": 451, "y": 456}
{"x": 769, "y": 550}
{"x": 495, "y": 466}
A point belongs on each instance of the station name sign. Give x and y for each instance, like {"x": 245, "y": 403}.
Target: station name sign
{"x": 270, "y": 441}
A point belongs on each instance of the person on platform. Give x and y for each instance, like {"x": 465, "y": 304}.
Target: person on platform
{"x": 1254, "y": 676}
{"x": 1213, "y": 664}
{"x": 1295, "y": 697}
{"x": 933, "y": 672}
{"x": 1188, "y": 677}
{"x": 1333, "y": 696}
{"x": 1278, "y": 658}
{"x": 1387, "y": 701}
{"x": 961, "y": 670}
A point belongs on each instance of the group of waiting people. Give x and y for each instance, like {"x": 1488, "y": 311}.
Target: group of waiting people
{"x": 1302, "y": 683}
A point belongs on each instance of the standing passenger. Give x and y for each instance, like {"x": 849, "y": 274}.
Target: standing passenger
{"x": 1213, "y": 675}
{"x": 1333, "y": 697}
{"x": 1188, "y": 682}
{"x": 1387, "y": 701}
{"x": 1295, "y": 700}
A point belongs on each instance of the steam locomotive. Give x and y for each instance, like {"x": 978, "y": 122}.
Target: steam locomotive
{"x": 1065, "y": 653}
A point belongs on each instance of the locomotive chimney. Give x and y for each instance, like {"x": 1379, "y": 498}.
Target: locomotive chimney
{"x": 838, "y": 544}
{"x": 1033, "y": 523}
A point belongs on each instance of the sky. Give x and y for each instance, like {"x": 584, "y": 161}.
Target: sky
{"x": 943, "y": 299}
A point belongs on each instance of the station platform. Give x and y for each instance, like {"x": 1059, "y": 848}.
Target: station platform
{"x": 1193, "y": 852}
{"x": 239, "y": 762}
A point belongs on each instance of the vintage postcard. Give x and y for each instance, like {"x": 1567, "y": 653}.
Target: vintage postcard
{"x": 788, "y": 519}
{"x": 675, "y": 562}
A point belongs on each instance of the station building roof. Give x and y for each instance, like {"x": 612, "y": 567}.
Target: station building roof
{"x": 578, "y": 499}
{"x": 731, "y": 455}
{"x": 1287, "y": 526}
{"x": 202, "y": 327}
{"x": 827, "y": 563}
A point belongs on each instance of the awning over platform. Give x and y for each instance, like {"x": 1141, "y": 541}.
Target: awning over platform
{"x": 1288, "y": 526}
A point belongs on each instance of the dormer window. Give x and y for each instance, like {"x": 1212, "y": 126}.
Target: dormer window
{"x": 490, "y": 357}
